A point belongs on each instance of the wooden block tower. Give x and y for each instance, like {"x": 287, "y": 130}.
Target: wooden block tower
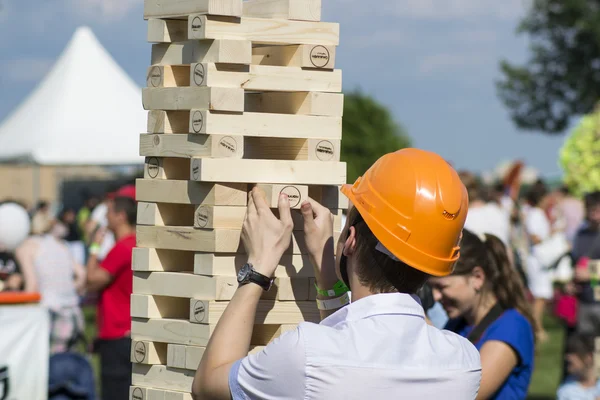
{"x": 239, "y": 93}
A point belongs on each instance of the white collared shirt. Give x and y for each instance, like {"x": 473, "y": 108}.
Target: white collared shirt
{"x": 378, "y": 347}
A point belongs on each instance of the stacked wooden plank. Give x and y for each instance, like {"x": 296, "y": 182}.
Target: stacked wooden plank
{"x": 239, "y": 93}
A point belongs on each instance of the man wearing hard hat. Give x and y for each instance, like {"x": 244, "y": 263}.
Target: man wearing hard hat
{"x": 404, "y": 224}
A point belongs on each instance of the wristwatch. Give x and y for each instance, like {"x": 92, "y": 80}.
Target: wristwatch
{"x": 248, "y": 274}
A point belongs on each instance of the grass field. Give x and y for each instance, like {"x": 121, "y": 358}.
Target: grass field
{"x": 548, "y": 362}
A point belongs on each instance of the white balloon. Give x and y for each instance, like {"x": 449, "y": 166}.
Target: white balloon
{"x": 14, "y": 226}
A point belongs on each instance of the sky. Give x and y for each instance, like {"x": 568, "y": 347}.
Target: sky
{"x": 433, "y": 63}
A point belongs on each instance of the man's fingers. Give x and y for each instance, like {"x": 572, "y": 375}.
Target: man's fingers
{"x": 251, "y": 206}
{"x": 259, "y": 200}
{"x": 285, "y": 215}
{"x": 307, "y": 212}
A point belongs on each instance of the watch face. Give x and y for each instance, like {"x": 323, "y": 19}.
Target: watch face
{"x": 244, "y": 272}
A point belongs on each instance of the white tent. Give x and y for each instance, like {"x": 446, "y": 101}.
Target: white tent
{"x": 86, "y": 111}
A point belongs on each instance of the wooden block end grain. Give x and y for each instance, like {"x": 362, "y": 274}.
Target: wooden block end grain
{"x": 301, "y": 10}
{"x": 180, "y": 9}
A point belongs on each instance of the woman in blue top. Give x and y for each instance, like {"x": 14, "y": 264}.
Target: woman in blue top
{"x": 485, "y": 301}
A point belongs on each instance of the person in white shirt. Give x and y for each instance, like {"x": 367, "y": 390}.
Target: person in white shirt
{"x": 486, "y": 215}
{"x": 538, "y": 229}
{"x": 404, "y": 225}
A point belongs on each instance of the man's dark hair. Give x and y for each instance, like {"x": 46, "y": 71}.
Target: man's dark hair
{"x": 128, "y": 206}
{"x": 376, "y": 270}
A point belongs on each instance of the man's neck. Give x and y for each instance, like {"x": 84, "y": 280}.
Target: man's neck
{"x": 124, "y": 231}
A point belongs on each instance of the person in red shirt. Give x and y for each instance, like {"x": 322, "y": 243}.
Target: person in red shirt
{"x": 113, "y": 279}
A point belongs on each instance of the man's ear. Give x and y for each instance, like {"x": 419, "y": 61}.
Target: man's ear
{"x": 350, "y": 243}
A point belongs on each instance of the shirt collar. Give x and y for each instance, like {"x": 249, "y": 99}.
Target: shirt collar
{"x": 377, "y": 304}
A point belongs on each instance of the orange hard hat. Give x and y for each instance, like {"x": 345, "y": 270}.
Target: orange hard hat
{"x": 416, "y": 206}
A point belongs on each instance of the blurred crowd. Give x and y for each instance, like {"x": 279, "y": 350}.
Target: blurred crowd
{"x": 73, "y": 257}
{"x": 551, "y": 241}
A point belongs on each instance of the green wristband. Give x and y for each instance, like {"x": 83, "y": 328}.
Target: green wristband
{"x": 338, "y": 289}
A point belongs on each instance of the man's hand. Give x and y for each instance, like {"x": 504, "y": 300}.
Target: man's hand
{"x": 318, "y": 232}
{"x": 318, "y": 229}
{"x": 266, "y": 237}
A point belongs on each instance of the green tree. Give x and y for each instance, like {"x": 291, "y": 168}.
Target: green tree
{"x": 561, "y": 79}
{"x": 580, "y": 155}
{"x": 368, "y": 132}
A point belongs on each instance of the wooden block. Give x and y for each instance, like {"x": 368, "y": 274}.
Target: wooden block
{"x": 167, "y": 168}
{"x": 166, "y": 260}
{"x": 292, "y": 149}
{"x": 165, "y": 214}
{"x": 329, "y": 196}
{"x": 272, "y": 125}
{"x": 168, "y": 76}
{"x": 229, "y": 217}
{"x": 268, "y": 312}
{"x": 160, "y": 121}
{"x": 262, "y": 77}
{"x": 167, "y": 30}
{"x": 268, "y": 171}
{"x": 293, "y": 266}
{"x": 181, "y": 8}
{"x": 155, "y": 306}
{"x": 306, "y": 103}
{"x": 193, "y": 51}
{"x": 185, "y": 285}
{"x": 189, "y": 357}
{"x": 172, "y": 395}
{"x": 187, "y": 98}
{"x": 189, "y": 192}
{"x": 302, "y": 55}
{"x": 145, "y": 352}
{"x": 260, "y": 30}
{"x": 185, "y": 146}
{"x": 203, "y": 193}
{"x": 178, "y": 331}
{"x": 193, "y": 356}
{"x": 146, "y": 393}
{"x": 268, "y": 333}
{"x": 204, "y": 217}
{"x": 176, "y": 355}
{"x": 302, "y": 10}
{"x": 162, "y": 377}
{"x": 297, "y": 194}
